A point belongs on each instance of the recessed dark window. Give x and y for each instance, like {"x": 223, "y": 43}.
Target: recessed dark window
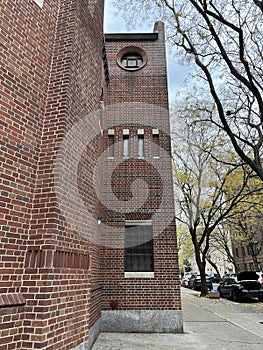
{"x": 139, "y": 248}
{"x": 156, "y": 145}
{"x": 132, "y": 61}
{"x": 111, "y": 146}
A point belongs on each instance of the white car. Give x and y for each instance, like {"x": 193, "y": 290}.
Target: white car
{"x": 185, "y": 279}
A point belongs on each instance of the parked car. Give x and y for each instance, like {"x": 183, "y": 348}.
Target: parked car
{"x": 195, "y": 282}
{"x": 185, "y": 279}
{"x": 244, "y": 285}
{"x": 228, "y": 275}
{"x": 215, "y": 278}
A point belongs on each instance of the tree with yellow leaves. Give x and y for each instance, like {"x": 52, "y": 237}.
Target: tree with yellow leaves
{"x": 203, "y": 177}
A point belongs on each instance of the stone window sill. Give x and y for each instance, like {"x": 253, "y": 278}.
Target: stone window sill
{"x": 139, "y": 274}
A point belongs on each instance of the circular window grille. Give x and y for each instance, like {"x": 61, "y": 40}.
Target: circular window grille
{"x": 131, "y": 58}
{"x": 131, "y": 61}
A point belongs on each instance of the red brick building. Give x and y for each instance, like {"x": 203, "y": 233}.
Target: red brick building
{"x": 87, "y": 239}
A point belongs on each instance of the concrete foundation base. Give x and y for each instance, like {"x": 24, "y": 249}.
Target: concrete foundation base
{"x": 142, "y": 321}
{"x": 135, "y": 321}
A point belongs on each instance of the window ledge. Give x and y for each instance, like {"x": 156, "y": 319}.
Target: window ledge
{"x": 11, "y": 299}
{"x": 139, "y": 274}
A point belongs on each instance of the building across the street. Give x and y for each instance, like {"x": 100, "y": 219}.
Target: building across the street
{"x": 249, "y": 255}
{"x": 88, "y": 238}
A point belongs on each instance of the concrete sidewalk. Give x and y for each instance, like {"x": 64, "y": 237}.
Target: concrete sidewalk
{"x": 208, "y": 323}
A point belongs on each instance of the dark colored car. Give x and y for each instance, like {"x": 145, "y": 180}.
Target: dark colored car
{"x": 244, "y": 285}
{"x": 228, "y": 275}
{"x": 195, "y": 282}
{"x": 215, "y": 278}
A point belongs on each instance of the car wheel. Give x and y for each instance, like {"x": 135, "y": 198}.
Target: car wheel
{"x": 235, "y": 296}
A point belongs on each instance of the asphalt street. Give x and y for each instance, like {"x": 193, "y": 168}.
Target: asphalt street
{"x": 208, "y": 324}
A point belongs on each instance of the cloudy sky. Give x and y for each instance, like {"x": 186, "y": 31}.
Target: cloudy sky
{"x": 115, "y": 24}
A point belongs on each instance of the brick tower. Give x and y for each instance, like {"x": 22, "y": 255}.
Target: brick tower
{"x": 141, "y": 291}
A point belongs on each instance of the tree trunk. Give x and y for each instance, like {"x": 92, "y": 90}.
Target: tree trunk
{"x": 201, "y": 267}
{"x": 255, "y": 262}
{"x": 214, "y": 266}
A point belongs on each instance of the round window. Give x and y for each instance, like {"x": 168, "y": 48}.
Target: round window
{"x": 131, "y": 58}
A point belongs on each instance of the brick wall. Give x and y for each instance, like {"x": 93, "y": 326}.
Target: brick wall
{"x": 52, "y": 278}
{"x": 50, "y": 81}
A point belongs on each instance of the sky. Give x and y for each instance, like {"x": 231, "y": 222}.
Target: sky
{"x": 115, "y": 24}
